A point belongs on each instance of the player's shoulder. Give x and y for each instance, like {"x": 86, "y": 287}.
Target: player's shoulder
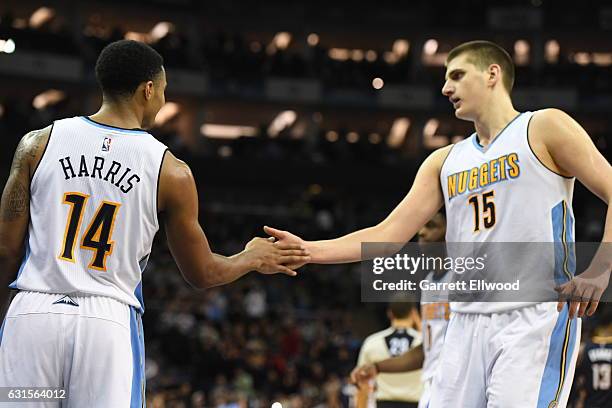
{"x": 600, "y": 341}
{"x": 552, "y": 126}
{"x": 442, "y": 152}
{"x": 175, "y": 168}
{"x": 34, "y": 137}
{"x": 379, "y": 335}
{"x": 32, "y": 145}
{"x": 175, "y": 182}
{"x": 438, "y": 156}
{"x": 548, "y": 120}
{"x": 549, "y": 114}
{"x": 413, "y": 333}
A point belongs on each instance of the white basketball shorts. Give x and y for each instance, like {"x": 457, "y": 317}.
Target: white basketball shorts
{"x": 521, "y": 358}
{"x": 91, "y": 346}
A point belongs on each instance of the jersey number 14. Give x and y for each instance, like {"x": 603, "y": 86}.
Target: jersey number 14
{"x": 97, "y": 236}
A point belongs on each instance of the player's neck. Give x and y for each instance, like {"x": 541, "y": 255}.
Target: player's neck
{"x": 402, "y": 323}
{"x": 495, "y": 118}
{"x": 118, "y": 116}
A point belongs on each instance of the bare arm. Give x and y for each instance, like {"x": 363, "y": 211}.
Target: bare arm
{"x": 15, "y": 207}
{"x": 178, "y": 200}
{"x": 567, "y": 148}
{"x": 409, "y": 361}
{"x": 420, "y": 204}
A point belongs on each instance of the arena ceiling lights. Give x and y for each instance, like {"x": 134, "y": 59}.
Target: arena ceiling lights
{"x": 282, "y": 121}
{"x": 220, "y": 131}
{"x": 398, "y": 51}
{"x": 280, "y": 41}
{"x": 159, "y": 31}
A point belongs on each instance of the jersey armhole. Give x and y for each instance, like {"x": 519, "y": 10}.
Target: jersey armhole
{"x": 42, "y": 156}
{"x": 440, "y": 175}
{"x": 536, "y": 156}
{"x": 446, "y": 158}
{"x": 161, "y": 164}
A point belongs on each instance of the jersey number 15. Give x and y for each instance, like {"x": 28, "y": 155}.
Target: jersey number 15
{"x": 484, "y": 208}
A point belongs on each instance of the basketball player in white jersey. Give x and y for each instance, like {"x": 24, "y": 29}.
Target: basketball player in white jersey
{"x": 84, "y": 195}
{"x": 511, "y": 354}
{"x": 434, "y": 317}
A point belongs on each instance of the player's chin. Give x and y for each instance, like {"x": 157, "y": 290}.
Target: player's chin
{"x": 460, "y": 113}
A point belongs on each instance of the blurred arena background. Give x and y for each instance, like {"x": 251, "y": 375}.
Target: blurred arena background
{"x": 308, "y": 116}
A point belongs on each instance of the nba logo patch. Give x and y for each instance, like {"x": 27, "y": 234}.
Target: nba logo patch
{"x": 106, "y": 144}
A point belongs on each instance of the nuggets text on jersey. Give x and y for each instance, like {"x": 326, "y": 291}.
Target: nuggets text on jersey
{"x": 493, "y": 171}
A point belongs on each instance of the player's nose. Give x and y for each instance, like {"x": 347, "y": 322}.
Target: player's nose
{"x": 447, "y": 89}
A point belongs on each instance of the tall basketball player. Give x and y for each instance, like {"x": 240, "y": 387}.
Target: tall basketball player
{"x": 84, "y": 195}
{"x": 511, "y": 354}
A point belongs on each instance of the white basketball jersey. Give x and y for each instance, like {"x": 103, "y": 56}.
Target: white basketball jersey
{"x": 93, "y": 211}
{"x": 503, "y": 193}
{"x": 434, "y": 316}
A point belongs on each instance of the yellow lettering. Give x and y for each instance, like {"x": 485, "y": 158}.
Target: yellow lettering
{"x": 502, "y": 167}
{"x": 493, "y": 170}
{"x": 462, "y": 181}
{"x": 514, "y": 170}
{"x": 473, "y": 183}
{"x": 452, "y": 185}
{"x": 484, "y": 175}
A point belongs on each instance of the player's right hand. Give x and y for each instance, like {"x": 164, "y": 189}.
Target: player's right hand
{"x": 285, "y": 237}
{"x": 269, "y": 257}
{"x": 363, "y": 373}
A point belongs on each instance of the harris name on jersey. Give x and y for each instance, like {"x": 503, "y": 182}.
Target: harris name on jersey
{"x": 98, "y": 167}
{"x": 493, "y": 171}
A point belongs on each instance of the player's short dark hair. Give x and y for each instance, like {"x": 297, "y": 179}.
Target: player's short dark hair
{"x": 125, "y": 64}
{"x": 484, "y": 53}
{"x": 400, "y": 308}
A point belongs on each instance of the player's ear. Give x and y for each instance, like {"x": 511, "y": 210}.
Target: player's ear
{"x": 494, "y": 74}
{"x": 148, "y": 90}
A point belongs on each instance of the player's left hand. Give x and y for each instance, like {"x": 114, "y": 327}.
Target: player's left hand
{"x": 584, "y": 291}
{"x": 363, "y": 373}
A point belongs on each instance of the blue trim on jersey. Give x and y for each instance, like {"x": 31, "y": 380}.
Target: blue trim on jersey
{"x": 142, "y": 264}
{"x": 477, "y": 143}
{"x": 13, "y": 285}
{"x": 481, "y": 147}
{"x": 560, "y": 349}
{"x": 571, "y": 245}
{"x": 108, "y": 127}
{"x": 138, "y": 294}
{"x": 563, "y": 237}
{"x": 2, "y": 331}
{"x": 138, "y": 360}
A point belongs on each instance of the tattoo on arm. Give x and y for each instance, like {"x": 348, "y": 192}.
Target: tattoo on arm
{"x": 16, "y": 201}
{"x": 27, "y": 150}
